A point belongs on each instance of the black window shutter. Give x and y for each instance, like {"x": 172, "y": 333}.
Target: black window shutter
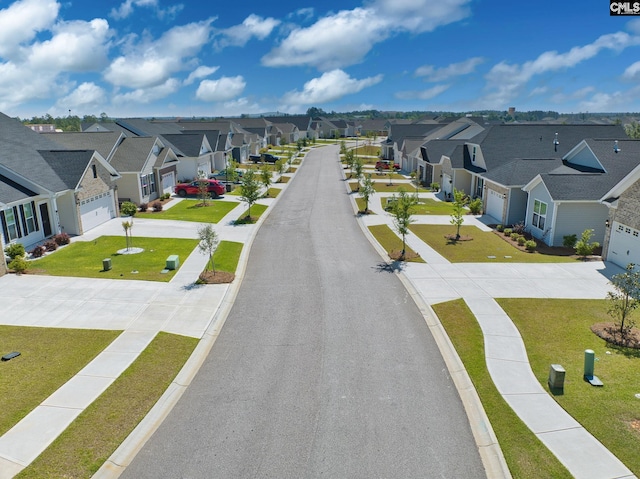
{"x": 5, "y": 230}
{"x": 16, "y": 216}
{"x": 35, "y": 216}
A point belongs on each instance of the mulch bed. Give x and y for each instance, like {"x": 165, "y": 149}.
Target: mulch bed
{"x": 542, "y": 248}
{"x": 408, "y": 255}
{"x": 611, "y": 334}
{"x": 219, "y": 277}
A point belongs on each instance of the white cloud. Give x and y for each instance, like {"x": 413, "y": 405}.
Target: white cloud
{"x": 200, "y": 72}
{"x": 344, "y": 38}
{"x": 434, "y": 74}
{"x": 152, "y": 62}
{"x": 127, "y": 7}
{"x": 507, "y": 81}
{"x": 634, "y": 26}
{"x": 223, "y": 89}
{"x": 87, "y": 97}
{"x": 604, "y": 102}
{"x": 252, "y": 26}
{"x": 328, "y": 87}
{"x": 149, "y": 94}
{"x": 632, "y": 72}
{"x": 22, "y": 20}
{"x": 427, "y": 94}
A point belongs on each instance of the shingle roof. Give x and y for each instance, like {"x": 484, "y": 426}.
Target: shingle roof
{"x": 520, "y": 172}
{"x": 132, "y": 154}
{"x": 102, "y": 142}
{"x": 11, "y": 191}
{"x": 302, "y": 122}
{"x": 434, "y": 150}
{"x": 185, "y": 144}
{"x": 69, "y": 165}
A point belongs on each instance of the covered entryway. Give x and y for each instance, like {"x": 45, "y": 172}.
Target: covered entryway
{"x": 96, "y": 210}
{"x": 495, "y": 204}
{"x": 168, "y": 182}
{"x": 624, "y": 245}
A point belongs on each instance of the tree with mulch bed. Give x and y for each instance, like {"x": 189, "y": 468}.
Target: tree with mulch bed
{"x": 402, "y": 217}
{"x": 622, "y": 302}
{"x": 457, "y": 216}
{"x": 249, "y": 191}
{"x": 367, "y": 190}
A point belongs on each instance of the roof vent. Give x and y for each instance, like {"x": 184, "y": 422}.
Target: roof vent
{"x": 616, "y": 148}
{"x": 556, "y": 142}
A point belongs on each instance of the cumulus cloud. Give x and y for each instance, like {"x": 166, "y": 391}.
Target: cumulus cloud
{"x": 252, "y": 26}
{"x": 86, "y": 97}
{"x": 344, "y": 38}
{"x": 507, "y": 81}
{"x": 434, "y": 74}
{"x": 22, "y": 20}
{"x": 127, "y": 7}
{"x": 427, "y": 94}
{"x": 223, "y": 89}
{"x": 632, "y": 72}
{"x": 151, "y": 63}
{"x": 328, "y": 87}
{"x": 147, "y": 95}
{"x": 200, "y": 72}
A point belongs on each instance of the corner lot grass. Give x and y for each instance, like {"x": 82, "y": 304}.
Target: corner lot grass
{"x": 84, "y": 258}
{"x": 391, "y": 242}
{"x": 478, "y": 250}
{"x": 89, "y": 441}
{"x": 227, "y": 256}
{"x": 426, "y": 206}
{"x": 526, "y": 456}
{"x": 49, "y": 358}
{"x": 256, "y": 212}
{"x": 556, "y": 331}
{"x": 190, "y": 210}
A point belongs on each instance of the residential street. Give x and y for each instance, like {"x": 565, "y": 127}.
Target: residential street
{"x": 325, "y": 366}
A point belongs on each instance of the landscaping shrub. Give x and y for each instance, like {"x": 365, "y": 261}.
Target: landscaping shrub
{"x": 62, "y": 239}
{"x": 38, "y": 251}
{"x": 475, "y": 206}
{"x": 507, "y": 232}
{"x": 19, "y": 264}
{"x": 14, "y": 250}
{"x": 569, "y": 241}
{"x": 584, "y": 247}
{"x": 50, "y": 245}
{"x": 521, "y": 240}
{"x": 519, "y": 228}
{"x": 499, "y": 228}
{"x": 128, "y": 209}
{"x": 143, "y": 207}
{"x": 165, "y": 196}
{"x": 435, "y": 186}
{"x": 156, "y": 206}
{"x": 530, "y": 245}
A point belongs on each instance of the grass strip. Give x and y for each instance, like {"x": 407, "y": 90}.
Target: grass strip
{"x": 557, "y": 331}
{"x": 89, "y": 441}
{"x": 85, "y": 258}
{"x": 48, "y": 358}
{"x": 256, "y": 212}
{"x": 526, "y": 456}
{"x": 227, "y": 256}
{"x": 193, "y": 210}
{"x": 392, "y": 243}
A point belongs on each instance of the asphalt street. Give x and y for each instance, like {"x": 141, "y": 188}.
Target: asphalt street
{"x": 325, "y": 366}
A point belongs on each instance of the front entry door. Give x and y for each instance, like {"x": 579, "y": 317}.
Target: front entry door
{"x": 46, "y": 221}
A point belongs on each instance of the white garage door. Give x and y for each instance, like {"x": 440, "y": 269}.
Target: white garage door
{"x": 624, "y": 245}
{"x": 96, "y": 210}
{"x": 495, "y": 204}
{"x": 168, "y": 182}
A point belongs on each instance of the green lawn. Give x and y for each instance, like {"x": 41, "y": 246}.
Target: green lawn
{"x": 360, "y": 204}
{"x": 191, "y": 210}
{"x": 227, "y": 256}
{"x": 557, "y": 331}
{"x": 384, "y": 187}
{"x": 392, "y": 243}
{"x": 256, "y": 212}
{"x": 84, "y": 258}
{"x": 526, "y": 456}
{"x": 48, "y": 358}
{"x": 89, "y": 441}
{"x": 479, "y": 249}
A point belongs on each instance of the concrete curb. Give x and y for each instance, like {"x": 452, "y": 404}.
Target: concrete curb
{"x": 490, "y": 452}
{"x": 131, "y": 446}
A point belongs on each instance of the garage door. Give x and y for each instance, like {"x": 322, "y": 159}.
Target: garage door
{"x": 495, "y": 205}
{"x": 446, "y": 184}
{"x": 168, "y": 182}
{"x": 624, "y": 245}
{"x": 96, "y": 210}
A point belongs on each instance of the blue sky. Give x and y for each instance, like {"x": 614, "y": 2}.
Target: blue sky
{"x": 213, "y": 58}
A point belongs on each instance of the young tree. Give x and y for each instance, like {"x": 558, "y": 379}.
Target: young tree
{"x": 625, "y": 299}
{"x": 391, "y": 171}
{"x": 127, "y": 225}
{"x": 231, "y": 172}
{"x": 249, "y": 190}
{"x": 367, "y": 190}
{"x": 349, "y": 158}
{"x": 402, "y": 217}
{"x": 358, "y": 169}
{"x": 280, "y": 165}
{"x": 457, "y": 217}
{"x": 208, "y": 243}
{"x": 265, "y": 177}
{"x": 203, "y": 192}
{"x": 584, "y": 247}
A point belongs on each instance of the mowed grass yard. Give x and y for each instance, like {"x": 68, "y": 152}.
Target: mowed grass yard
{"x": 85, "y": 258}
{"x": 481, "y": 247}
{"x": 193, "y": 210}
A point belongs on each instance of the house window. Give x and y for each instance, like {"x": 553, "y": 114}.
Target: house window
{"x": 635, "y": 233}
{"x": 95, "y": 171}
{"x": 29, "y": 218}
{"x": 148, "y": 184}
{"x": 12, "y": 227}
{"x": 620, "y": 228}
{"x": 473, "y": 155}
{"x": 539, "y": 214}
{"x": 152, "y": 183}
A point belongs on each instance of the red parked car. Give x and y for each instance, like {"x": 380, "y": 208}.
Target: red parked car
{"x": 215, "y": 188}
{"x": 385, "y": 165}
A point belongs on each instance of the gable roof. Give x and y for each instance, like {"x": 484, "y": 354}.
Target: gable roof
{"x": 133, "y": 154}
{"x": 11, "y": 191}
{"x": 69, "y": 165}
{"x": 520, "y": 172}
{"x": 104, "y": 142}
{"x": 186, "y": 144}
